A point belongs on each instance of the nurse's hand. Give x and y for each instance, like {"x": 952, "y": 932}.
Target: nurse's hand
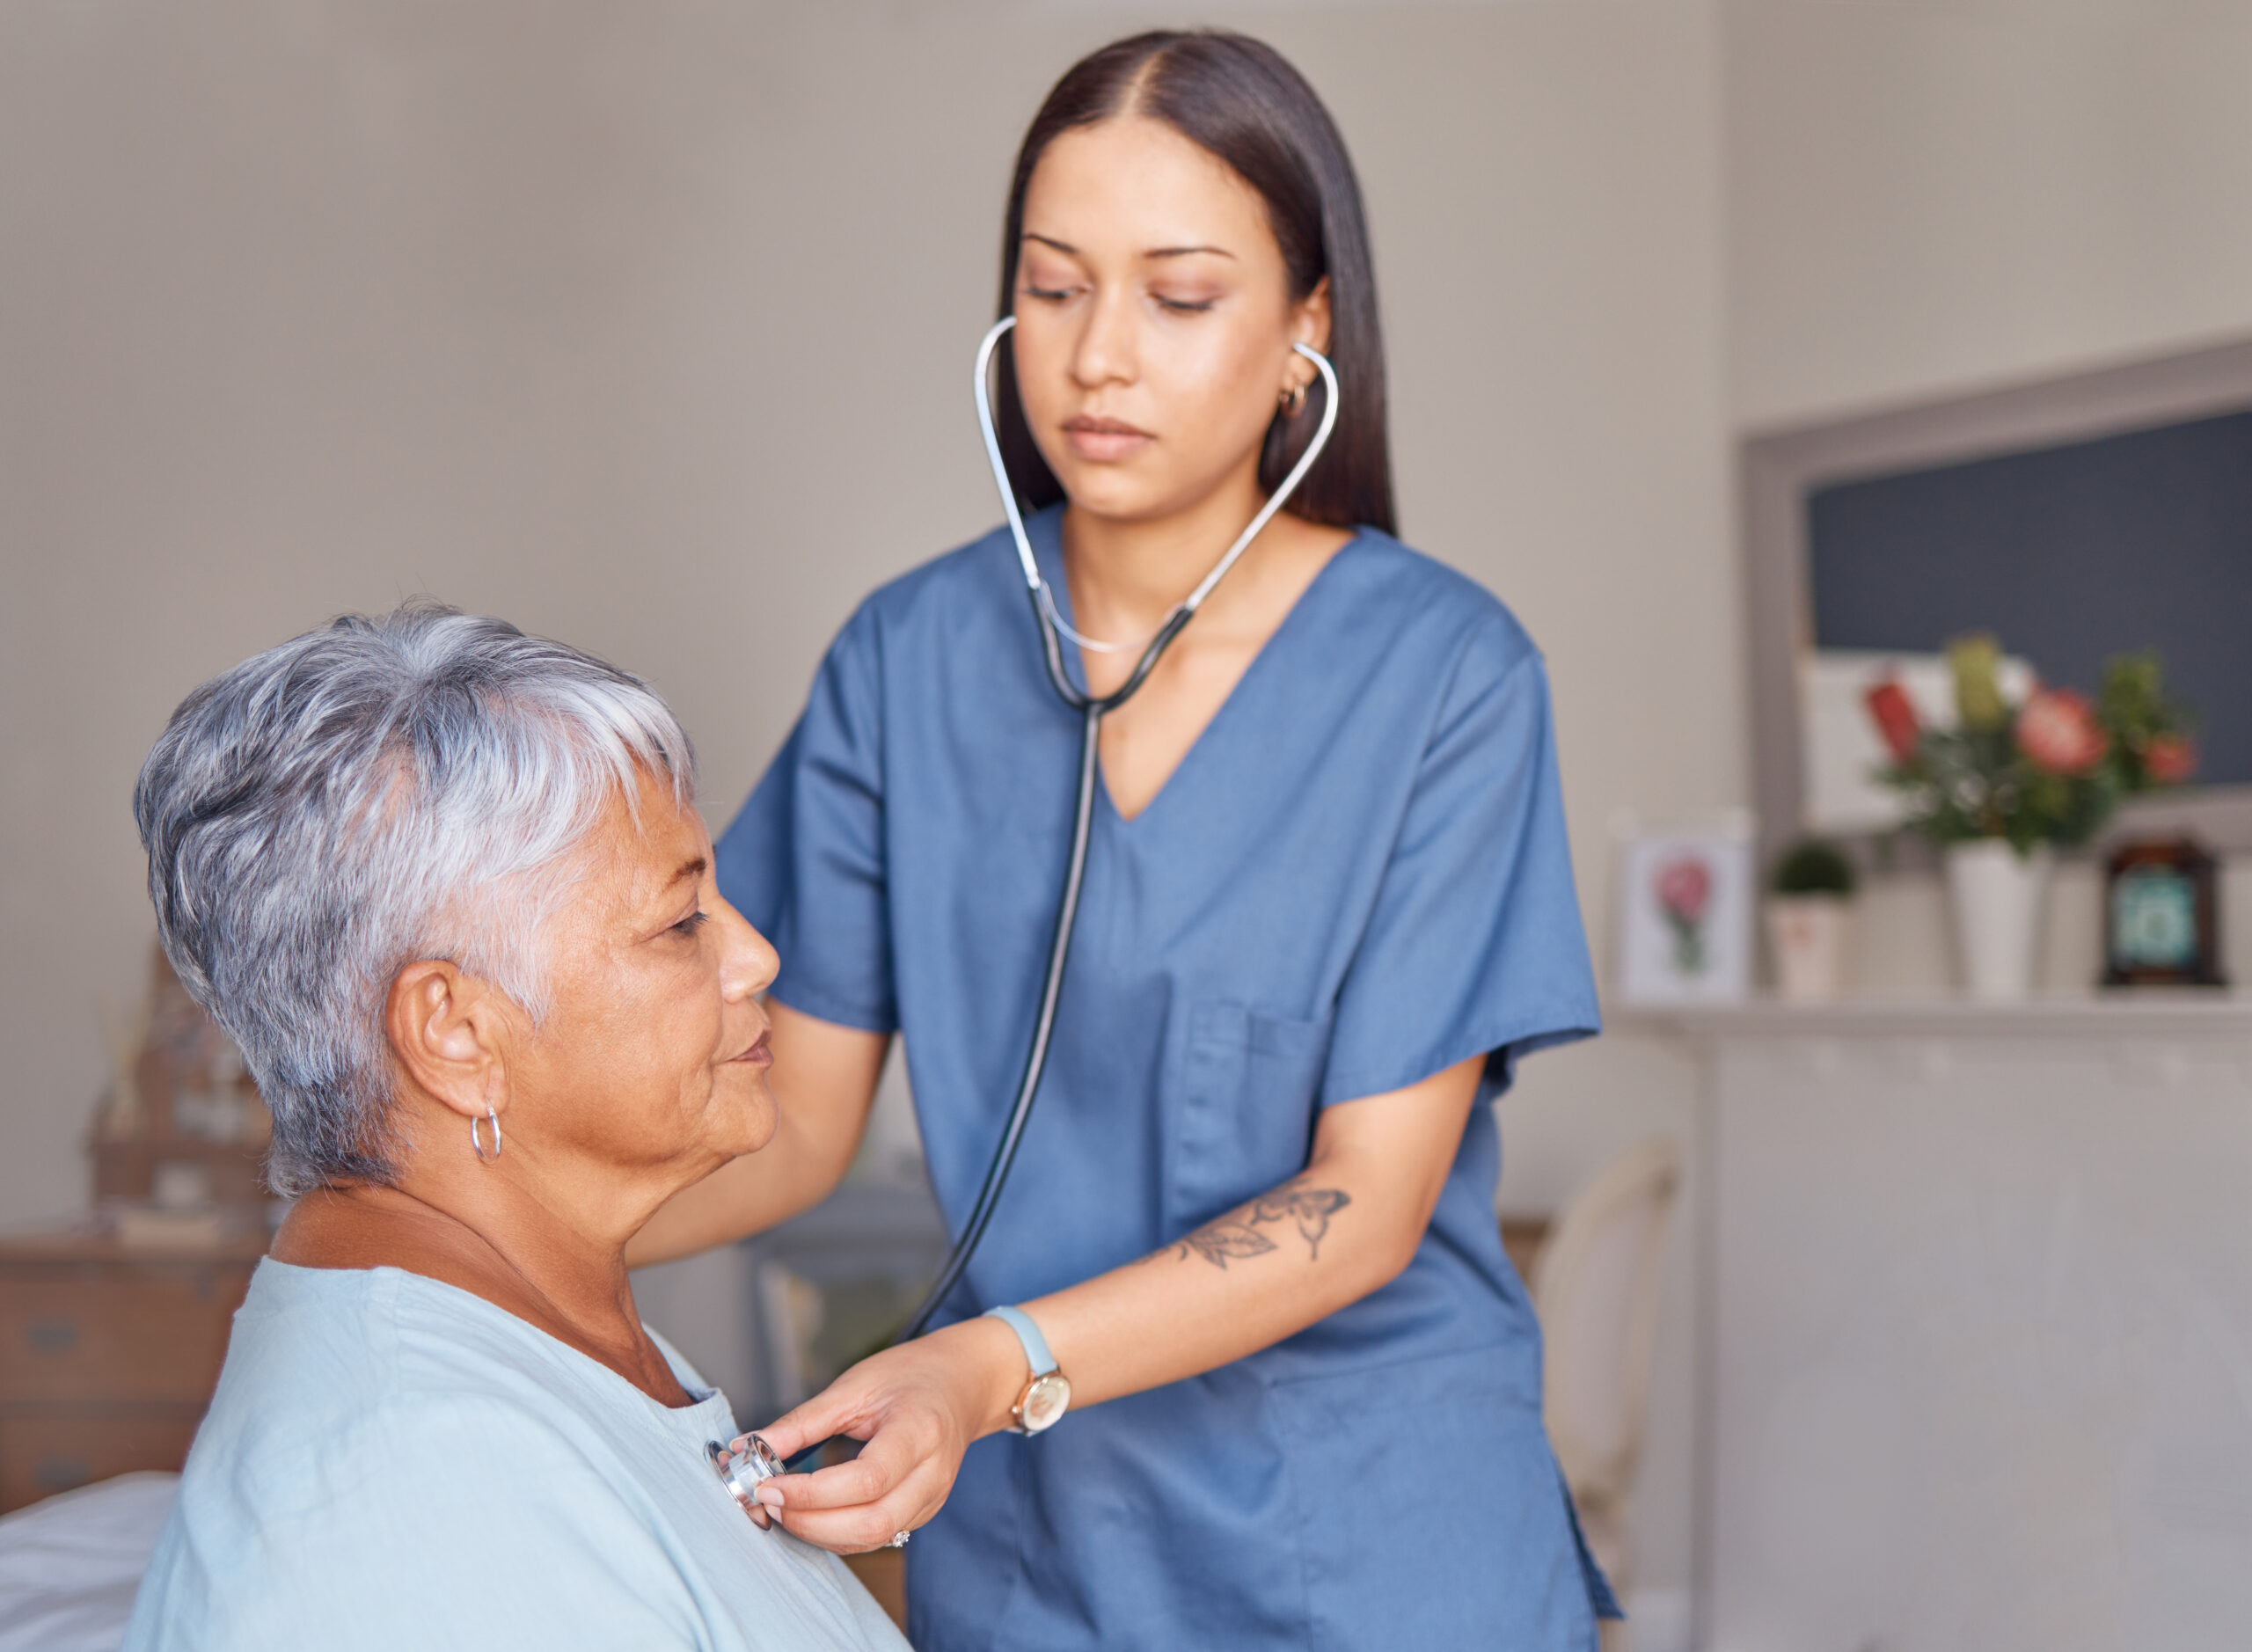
{"x": 917, "y": 1408}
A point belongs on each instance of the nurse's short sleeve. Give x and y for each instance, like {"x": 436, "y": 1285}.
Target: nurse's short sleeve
{"x": 1474, "y": 945}
{"x": 804, "y": 861}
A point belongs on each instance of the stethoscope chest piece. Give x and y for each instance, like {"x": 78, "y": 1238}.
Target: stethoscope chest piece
{"x": 742, "y": 1465}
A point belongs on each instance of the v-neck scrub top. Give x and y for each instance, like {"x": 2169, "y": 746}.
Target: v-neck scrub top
{"x": 1357, "y": 878}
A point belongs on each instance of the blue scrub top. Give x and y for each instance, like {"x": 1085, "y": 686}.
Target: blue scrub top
{"x": 1357, "y": 878}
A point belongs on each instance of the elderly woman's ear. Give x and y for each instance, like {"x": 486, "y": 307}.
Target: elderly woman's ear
{"x": 449, "y": 1034}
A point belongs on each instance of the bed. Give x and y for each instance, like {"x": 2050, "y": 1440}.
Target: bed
{"x": 69, "y": 1566}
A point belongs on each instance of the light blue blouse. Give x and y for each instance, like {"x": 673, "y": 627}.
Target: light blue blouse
{"x": 1357, "y": 878}
{"x": 390, "y": 1462}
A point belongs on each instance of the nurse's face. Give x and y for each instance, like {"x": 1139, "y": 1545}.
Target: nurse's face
{"x": 1154, "y": 320}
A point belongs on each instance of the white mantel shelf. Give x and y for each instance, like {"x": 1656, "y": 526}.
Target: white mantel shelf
{"x": 2173, "y": 1013}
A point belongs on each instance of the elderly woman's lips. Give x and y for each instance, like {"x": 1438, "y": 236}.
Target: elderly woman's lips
{"x": 759, "y": 1055}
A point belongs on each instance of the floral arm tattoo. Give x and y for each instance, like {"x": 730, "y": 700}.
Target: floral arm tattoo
{"x": 1237, "y": 1233}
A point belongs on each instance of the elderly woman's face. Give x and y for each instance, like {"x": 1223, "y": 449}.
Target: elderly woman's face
{"x": 654, "y": 1056}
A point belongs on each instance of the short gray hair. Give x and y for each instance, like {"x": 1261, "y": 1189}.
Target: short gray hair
{"x": 361, "y": 797}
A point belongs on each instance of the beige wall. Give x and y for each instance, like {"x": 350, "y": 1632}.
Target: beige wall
{"x": 1927, "y": 195}
{"x": 650, "y": 327}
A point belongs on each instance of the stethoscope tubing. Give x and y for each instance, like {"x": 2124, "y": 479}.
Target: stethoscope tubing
{"x": 1043, "y": 1028}
{"x": 1091, "y": 709}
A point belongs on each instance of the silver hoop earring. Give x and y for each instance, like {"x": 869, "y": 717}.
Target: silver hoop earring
{"x": 477, "y": 1143}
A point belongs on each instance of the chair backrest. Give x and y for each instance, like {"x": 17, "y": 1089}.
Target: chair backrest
{"x": 1596, "y": 1288}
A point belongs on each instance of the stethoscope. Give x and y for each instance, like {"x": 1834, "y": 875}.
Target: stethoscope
{"x": 742, "y": 1464}
{"x": 1091, "y": 709}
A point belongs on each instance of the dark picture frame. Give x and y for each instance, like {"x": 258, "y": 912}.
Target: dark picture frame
{"x": 2161, "y": 915}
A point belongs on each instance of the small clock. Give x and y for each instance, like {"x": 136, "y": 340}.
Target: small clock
{"x": 2161, "y": 919}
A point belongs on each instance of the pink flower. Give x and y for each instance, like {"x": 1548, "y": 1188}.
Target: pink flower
{"x": 2058, "y": 731}
{"x": 1895, "y": 716}
{"x": 1684, "y": 886}
{"x": 2170, "y": 759}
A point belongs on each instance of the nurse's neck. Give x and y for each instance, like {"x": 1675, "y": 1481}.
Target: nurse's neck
{"x": 1128, "y": 573}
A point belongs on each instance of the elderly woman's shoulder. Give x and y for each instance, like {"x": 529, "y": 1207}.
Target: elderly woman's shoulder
{"x": 361, "y": 1414}
{"x": 392, "y": 1462}
{"x": 372, "y": 1334}
{"x": 324, "y": 1359}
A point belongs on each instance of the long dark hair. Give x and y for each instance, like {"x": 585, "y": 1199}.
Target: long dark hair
{"x": 1239, "y": 99}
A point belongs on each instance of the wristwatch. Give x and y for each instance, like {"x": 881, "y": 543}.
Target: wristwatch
{"x": 1047, "y": 1394}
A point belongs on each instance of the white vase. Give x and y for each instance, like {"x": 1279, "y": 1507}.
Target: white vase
{"x": 2001, "y": 899}
{"x": 1809, "y": 936}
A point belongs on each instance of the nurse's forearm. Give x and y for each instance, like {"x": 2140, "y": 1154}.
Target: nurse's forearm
{"x": 1345, "y": 1226}
{"x": 1351, "y": 1221}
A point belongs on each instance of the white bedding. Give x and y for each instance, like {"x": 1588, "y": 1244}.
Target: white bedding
{"x": 69, "y": 1566}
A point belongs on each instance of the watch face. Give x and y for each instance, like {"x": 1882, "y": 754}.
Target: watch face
{"x": 2154, "y": 919}
{"x": 1046, "y": 1399}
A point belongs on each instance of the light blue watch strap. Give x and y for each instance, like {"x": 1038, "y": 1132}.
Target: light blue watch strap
{"x": 1036, "y": 1345}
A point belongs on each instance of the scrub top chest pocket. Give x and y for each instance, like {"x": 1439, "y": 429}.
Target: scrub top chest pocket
{"x": 1241, "y": 1119}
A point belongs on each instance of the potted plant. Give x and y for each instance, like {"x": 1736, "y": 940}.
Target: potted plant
{"x": 2006, "y": 784}
{"x": 1811, "y": 919}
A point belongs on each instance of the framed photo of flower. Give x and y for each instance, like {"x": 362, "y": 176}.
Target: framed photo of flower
{"x": 1685, "y": 922}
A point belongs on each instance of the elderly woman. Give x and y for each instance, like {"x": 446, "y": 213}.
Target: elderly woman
{"x": 445, "y": 885}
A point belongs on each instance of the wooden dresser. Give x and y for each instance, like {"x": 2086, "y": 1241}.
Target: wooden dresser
{"x": 107, "y": 1355}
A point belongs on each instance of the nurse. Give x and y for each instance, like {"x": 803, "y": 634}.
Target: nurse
{"x": 1329, "y": 906}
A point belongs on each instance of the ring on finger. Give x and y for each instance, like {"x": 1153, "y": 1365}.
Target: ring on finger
{"x": 899, "y": 1539}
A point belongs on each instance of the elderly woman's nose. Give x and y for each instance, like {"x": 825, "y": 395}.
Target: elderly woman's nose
{"x": 749, "y": 962}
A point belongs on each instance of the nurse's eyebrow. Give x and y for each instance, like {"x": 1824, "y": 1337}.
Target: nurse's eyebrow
{"x": 690, "y": 871}
{"x": 1069, "y": 251}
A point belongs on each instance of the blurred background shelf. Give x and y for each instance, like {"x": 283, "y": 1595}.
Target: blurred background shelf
{"x": 2181, "y": 1012}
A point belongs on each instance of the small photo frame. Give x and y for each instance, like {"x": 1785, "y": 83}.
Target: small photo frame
{"x": 2161, "y": 915}
{"x": 1686, "y": 902}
